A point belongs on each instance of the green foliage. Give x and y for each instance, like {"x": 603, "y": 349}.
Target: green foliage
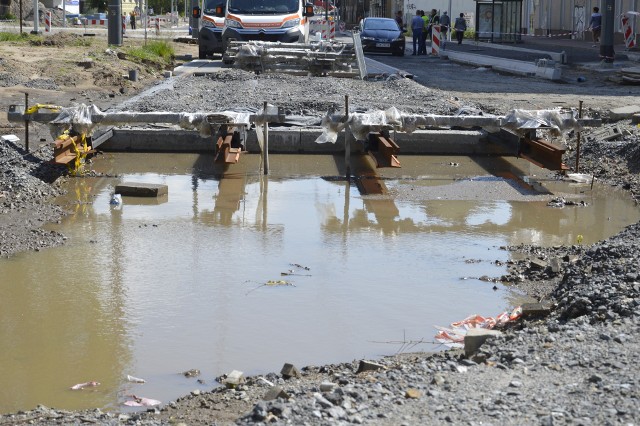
{"x": 98, "y": 5}
{"x": 8, "y": 17}
{"x": 17, "y": 37}
{"x": 155, "y": 51}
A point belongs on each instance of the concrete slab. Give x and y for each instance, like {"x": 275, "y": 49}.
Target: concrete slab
{"x": 624, "y": 112}
{"x": 129, "y": 189}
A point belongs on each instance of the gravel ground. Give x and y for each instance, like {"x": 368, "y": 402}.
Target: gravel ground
{"x": 576, "y": 365}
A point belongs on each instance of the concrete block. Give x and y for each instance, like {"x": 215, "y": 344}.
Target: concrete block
{"x": 476, "y": 337}
{"x": 635, "y": 118}
{"x": 624, "y": 112}
{"x": 537, "y": 263}
{"x": 535, "y": 310}
{"x": 234, "y": 379}
{"x": 327, "y": 386}
{"x": 608, "y": 133}
{"x": 141, "y": 189}
{"x": 369, "y": 366}
{"x": 289, "y": 370}
{"x": 275, "y": 393}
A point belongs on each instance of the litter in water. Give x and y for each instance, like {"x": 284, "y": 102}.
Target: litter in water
{"x": 135, "y": 379}
{"x": 84, "y": 385}
{"x": 137, "y": 401}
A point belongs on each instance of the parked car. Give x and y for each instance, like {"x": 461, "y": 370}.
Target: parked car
{"x": 382, "y": 35}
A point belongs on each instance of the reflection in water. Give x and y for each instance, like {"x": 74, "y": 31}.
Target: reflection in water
{"x": 152, "y": 289}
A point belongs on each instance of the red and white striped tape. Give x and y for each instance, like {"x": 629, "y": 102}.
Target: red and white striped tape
{"x": 97, "y": 21}
{"x": 47, "y": 22}
{"x": 435, "y": 40}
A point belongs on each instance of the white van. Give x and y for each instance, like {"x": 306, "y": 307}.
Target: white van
{"x": 285, "y": 21}
{"x": 210, "y": 30}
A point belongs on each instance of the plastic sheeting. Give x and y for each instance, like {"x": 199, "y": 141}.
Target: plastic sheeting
{"x": 85, "y": 118}
{"x": 521, "y": 121}
{"x": 518, "y": 121}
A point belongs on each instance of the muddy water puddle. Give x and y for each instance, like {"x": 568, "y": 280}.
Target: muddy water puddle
{"x": 194, "y": 279}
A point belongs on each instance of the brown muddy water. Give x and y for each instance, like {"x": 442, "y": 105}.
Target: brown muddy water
{"x": 156, "y": 287}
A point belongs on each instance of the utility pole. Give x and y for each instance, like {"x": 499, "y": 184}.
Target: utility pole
{"x": 36, "y": 18}
{"x": 114, "y": 35}
{"x": 606, "y": 44}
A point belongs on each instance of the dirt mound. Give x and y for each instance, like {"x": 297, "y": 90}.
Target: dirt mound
{"x": 61, "y": 39}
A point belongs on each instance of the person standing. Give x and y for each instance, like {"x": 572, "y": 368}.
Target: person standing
{"x": 445, "y": 23}
{"x": 434, "y": 19}
{"x": 425, "y": 28}
{"x": 595, "y": 24}
{"x": 133, "y": 20}
{"x": 416, "y": 28}
{"x": 399, "y": 18}
{"x": 460, "y": 27}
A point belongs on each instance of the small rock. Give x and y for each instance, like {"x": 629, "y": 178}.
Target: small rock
{"x": 191, "y": 373}
{"x": 412, "y": 393}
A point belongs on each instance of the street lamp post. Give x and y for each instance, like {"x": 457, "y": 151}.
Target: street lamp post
{"x": 606, "y": 46}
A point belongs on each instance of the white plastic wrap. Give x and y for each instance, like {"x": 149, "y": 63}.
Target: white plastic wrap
{"x": 331, "y": 125}
{"x": 522, "y": 121}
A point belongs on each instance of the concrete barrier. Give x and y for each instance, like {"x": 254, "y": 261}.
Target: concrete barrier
{"x": 291, "y": 141}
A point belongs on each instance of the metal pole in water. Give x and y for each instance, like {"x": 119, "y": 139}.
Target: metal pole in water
{"x": 265, "y": 151}
{"x": 26, "y": 122}
{"x": 578, "y": 145}
{"x": 347, "y": 138}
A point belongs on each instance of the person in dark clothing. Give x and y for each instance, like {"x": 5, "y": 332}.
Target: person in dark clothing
{"x": 434, "y": 19}
{"x": 445, "y": 23}
{"x": 133, "y": 21}
{"x": 399, "y": 18}
{"x": 460, "y": 27}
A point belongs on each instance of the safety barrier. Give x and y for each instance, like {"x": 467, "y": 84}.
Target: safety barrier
{"x": 629, "y": 36}
{"x": 326, "y": 28}
{"x": 435, "y": 40}
{"x": 86, "y": 21}
{"x": 47, "y": 22}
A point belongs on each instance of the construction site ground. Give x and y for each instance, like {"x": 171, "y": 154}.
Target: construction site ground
{"x": 578, "y": 365}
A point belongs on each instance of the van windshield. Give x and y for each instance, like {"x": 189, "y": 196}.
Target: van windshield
{"x": 210, "y": 6}
{"x": 260, "y": 7}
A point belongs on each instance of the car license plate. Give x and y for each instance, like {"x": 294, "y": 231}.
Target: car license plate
{"x": 383, "y": 44}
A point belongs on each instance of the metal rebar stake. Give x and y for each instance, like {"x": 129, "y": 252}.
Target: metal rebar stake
{"x": 579, "y": 134}
{"x": 26, "y": 121}
{"x": 347, "y": 138}
{"x": 265, "y": 151}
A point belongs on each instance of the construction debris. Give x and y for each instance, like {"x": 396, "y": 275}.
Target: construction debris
{"x": 608, "y": 133}
{"x": 630, "y": 75}
{"x": 318, "y": 59}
